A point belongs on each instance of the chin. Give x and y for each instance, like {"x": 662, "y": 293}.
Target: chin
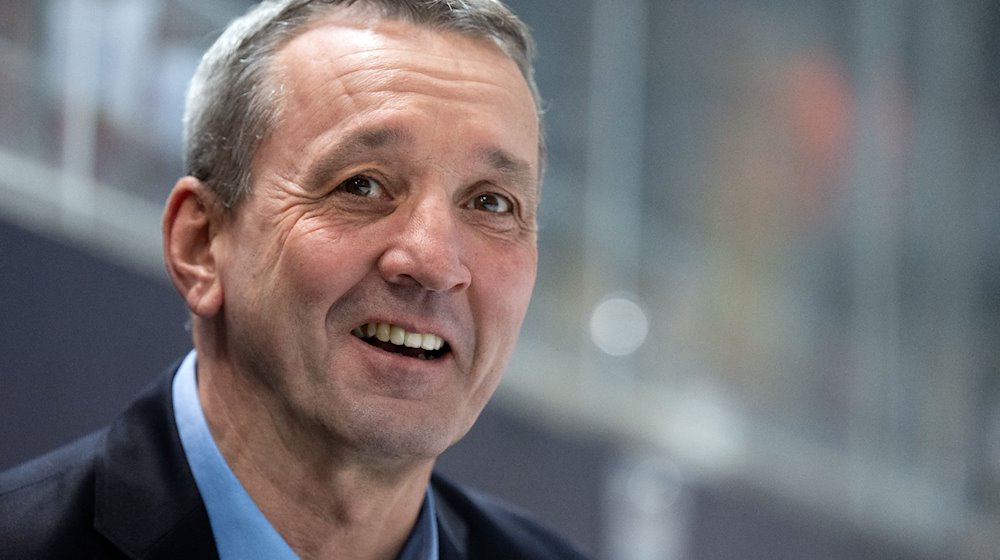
{"x": 396, "y": 436}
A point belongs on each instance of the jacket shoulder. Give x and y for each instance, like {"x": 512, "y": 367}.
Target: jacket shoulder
{"x": 37, "y": 473}
{"x": 487, "y": 527}
{"x": 47, "y": 504}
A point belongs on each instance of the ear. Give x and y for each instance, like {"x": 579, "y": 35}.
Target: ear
{"x": 191, "y": 222}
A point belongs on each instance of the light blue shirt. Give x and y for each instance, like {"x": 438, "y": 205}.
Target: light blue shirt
{"x": 241, "y": 531}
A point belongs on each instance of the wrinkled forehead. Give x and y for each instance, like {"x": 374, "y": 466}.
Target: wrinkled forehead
{"x": 357, "y": 59}
{"x": 372, "y": 15}
{"x": 355, "y": 51}
{"x": 381, "y": 44}
{"x": 342, "y": 78}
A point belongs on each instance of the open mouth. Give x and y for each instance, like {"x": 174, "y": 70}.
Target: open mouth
{"x": 391, "y": 338}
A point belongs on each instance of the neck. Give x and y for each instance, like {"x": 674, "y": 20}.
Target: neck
{"x": 324, "y": 498}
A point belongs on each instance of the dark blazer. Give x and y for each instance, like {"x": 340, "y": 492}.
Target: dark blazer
{"x": 127, "y": 492}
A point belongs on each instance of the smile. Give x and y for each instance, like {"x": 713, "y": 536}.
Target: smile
{"x": 391, "y": 338}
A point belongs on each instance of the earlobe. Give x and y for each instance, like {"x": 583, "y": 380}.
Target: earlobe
{"x": 190, "y": 225}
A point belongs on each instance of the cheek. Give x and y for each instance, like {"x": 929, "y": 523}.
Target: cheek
{"x": 319, "y": 266}
{"x": 506, "y": 290}
{"x": 522, "y": 274}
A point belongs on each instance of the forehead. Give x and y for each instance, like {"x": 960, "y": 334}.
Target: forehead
{"x": 348, "y": 66}
{"x": 352, "y": 39}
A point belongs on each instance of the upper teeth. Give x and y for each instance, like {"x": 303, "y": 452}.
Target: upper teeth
{"x": 396, "y": 335}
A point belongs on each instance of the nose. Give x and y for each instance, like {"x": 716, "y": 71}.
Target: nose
{"x": 426, "y": 247}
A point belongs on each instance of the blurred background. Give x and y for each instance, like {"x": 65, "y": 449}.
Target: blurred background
{"x": 767, "y": 319}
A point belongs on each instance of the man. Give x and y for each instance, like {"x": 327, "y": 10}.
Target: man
{"x": 356, "y": 242}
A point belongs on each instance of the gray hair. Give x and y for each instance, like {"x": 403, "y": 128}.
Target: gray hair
{"x": 232, "y": 103}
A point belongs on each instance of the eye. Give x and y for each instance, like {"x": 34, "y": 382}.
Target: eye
{"x": 362, "y": 185}
{"x": 491, "y": 202}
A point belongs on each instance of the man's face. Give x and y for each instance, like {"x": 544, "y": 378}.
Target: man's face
{"x": 396, "y": 195}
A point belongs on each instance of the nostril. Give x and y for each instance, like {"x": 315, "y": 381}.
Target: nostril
{"x": 406, "y": 280}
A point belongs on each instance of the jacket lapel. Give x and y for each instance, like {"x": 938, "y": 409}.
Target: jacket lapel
{"x": 453, "y": 531}
{"x": 146, "y": 500}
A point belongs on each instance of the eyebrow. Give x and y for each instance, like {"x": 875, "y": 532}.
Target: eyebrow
{"x": 355, "y": 146}
{"x": 514, "y": 168}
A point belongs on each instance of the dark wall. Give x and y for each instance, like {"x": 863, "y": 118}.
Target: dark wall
{"x": 78, "y": 338}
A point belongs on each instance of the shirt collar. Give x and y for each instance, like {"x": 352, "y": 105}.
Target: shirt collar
{"x": 241, "y": 531}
